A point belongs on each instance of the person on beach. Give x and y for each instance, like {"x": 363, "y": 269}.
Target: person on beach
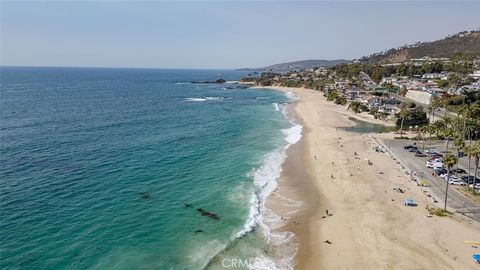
{"x": 326, "y": 211}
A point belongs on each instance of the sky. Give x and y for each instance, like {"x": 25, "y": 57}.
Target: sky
{"x": 217, "y": 34}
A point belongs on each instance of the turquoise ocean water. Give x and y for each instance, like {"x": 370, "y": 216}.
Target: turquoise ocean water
{"x": 108, "y": 168}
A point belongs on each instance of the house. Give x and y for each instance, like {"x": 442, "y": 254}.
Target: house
{"x": 392, "y": 110}
{"x": 438, "y": 76}
{"x": 389, "y": 80}
{"x": 329, "y": 86}
{"x": 341, "y": 85}
{"x": 371, "y": 101}
{"x": 475, "y": 74}
{"x": 381, "y": 89}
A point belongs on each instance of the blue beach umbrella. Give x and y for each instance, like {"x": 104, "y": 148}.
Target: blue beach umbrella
{"x": 409, "y": 202}
{"x": 476, "y": 257}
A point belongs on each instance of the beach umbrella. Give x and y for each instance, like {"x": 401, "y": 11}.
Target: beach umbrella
{"x": 409, "y": 202}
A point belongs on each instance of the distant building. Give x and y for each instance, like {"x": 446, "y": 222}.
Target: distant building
{"x": 380, "y": 89}
{"x": 438, "y": 76}
{"x": 475, "y": 74}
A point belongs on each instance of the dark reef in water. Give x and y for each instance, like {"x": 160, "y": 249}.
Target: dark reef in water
{"x": 208, "y": 214}
{"x": 144, "y": 195}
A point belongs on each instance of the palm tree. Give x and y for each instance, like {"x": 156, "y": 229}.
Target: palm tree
{"x": 423, "y": 131}
{"x": 473, "y": 151}
{"x": 430, "y": 130}
{"x": 448, "y": 161}
{"x": 403, "y": 113}
{"x": 459, "y": 145}
{"x": 447, "y": 128}
{"x": 434, "y": 104}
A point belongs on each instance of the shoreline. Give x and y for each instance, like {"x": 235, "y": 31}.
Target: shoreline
{"x": 369, "y": 227}
{"x": 295, "y": 199}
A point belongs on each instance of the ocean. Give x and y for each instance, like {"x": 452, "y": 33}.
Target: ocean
{"x": 138, "y": 169}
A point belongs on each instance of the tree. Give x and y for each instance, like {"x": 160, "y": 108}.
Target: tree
{"x": 430, "y": 130}
{"x": 473, "y": 151}
{"x": 423, "y": 131}
{"x": 355, "y": 106}
{"x": 459, "y": 145}
{"x": 442, "y": 84}
{"x": 405, "y": 112}
{"x": 446, "y": 127}
{"x": 434, "y": 104}
{"x": 448, "y": 161}
{"x": 376, "y": 74}
{"x": 332, "y": 96}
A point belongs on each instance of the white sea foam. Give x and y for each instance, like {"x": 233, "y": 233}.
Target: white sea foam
{"x": 209, "y": 250}
{"x": 196, "y": 99}
{"x": 275, "y": 105}
{"x": 291, "y": 96}
{"x": 264, "y": 178}
{"x": 182, "y": 83}
{"x": 214, "y": 98}
{"x": 253, "y": 217}
{"x": 293, "y": 134}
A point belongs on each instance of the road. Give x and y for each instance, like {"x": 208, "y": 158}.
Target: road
{"x": 457, "y": 202}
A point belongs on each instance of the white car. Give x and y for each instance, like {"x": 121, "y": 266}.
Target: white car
{"x": 451, "y": 178}
{"x": 431, "y": 151}
{"x": 432, "y": 164}
{"x": 456, "y": 182}
{"x": 477, "y": 186}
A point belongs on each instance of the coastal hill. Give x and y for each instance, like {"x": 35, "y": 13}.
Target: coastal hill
{"x": 298, "y": 65}
{"x": 466, "y": 42}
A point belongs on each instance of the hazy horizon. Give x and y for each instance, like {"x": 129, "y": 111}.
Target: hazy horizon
{"x": 217, "y": 35}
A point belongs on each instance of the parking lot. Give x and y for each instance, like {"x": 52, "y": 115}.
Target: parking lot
{"x": 457, "y": 202}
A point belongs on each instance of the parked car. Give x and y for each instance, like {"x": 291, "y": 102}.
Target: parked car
{"x": 459, "y": 170}
{"x": 413, "y": 149}
{"x": 420, "y": 154}
{"x": 436, "y": 156}
{"x": 477, "y": 186}
{"x": 433, "y": 164}
{"x": 406, "y": 147}
{"x": 450, "y": 177}
{"x": 456, "y": 182}
{"x": 440, "y": 170}
{"x": 431, "y": 151}
{"x": 469, "y": 179}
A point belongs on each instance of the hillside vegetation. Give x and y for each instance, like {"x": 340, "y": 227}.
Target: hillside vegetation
{"x": 299, "y": 65}
{"x": 467, "y": 43}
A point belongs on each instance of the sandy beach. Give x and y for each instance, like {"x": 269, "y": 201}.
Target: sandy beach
{"x": 367, "y": 226}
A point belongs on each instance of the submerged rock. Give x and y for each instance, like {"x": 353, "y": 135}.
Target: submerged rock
{"x": 144, "y": 195}
{"x": 208, "y": 214}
